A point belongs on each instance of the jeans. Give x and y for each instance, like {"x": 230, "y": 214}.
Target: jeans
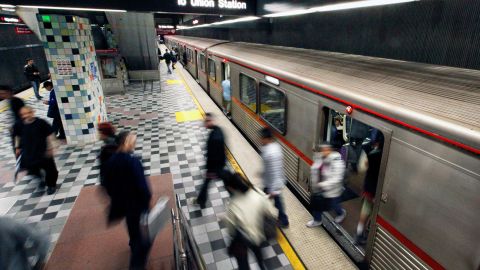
{"x": 326, "y": 204}
{"x": 168, "y": 67}
{"x": 36, "y": 86}
{"x": 278, "y": 202}
{"x": 139, "y": 244}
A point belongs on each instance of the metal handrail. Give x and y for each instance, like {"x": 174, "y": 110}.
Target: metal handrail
{"x": 186, "y": 251}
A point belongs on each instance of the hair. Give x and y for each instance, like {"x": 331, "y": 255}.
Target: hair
{"x": 106, "y": 128}
{"x": 122, "y": 137}
{"x": 323, "y": 145}
{"x": 266, "y": 133}
{"x": 28, "y": 59}
{"x": 47, "y": 83}
{"x": 237, "y": 182}
{"x": 6, "y": 88}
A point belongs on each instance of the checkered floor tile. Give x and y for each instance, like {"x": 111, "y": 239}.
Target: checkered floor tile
{"x": 165, "y": 145}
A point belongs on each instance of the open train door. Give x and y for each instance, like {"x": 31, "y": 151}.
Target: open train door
{"x": 363, "y": 143}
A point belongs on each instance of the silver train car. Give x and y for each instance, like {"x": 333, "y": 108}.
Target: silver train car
{"x": 426, "y": 212}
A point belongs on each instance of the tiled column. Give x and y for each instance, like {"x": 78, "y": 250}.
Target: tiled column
{"x": 75, "y": 75}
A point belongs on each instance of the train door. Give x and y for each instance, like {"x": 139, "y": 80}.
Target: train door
{"x": 363, "y": 148}
{"x": 226, "y": 89}
{"x": 195, "y": 63}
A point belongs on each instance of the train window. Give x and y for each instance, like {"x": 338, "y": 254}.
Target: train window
{"x": 212, "y": 71}
{"x": 272, "y": 107}
{"x": 248, "y": 92}
{"x": 190, "y": 55}
{"x": 202, "y": 62}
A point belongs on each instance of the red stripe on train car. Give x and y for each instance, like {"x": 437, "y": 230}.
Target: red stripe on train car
{"x": 409, "y": 244}
{"x": 355, "y": 106}
{"x": 278, "y": 135}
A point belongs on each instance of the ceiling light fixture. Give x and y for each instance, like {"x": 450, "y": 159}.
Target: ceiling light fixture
{"x": 75, "y": 8}
{"x": 340, "y": 6}
{"x": 243, "y": 19}
{"x": 6, "y": 6}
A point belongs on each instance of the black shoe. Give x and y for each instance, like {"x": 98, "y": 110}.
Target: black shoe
{"x": 283, "y": 225}
{"x": 39, "y": 98}
{"x": 51, "y": 190}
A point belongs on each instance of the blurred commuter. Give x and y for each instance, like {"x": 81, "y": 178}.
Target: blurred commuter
{"x": 6, "y": 93}
{"x": 174, "y": 57}
{"x": 22, "y": 246}
{"x": 245, "y": 221}
{"x": 54, "y": 112}
{"x": 34, "y": 142}
{"x": 33, "y": 76}
{"x": 216, "y": 157}
{"x": 337, "y": 133}
{"x": 184, "y": 56}
{"x": 130, "y": 195}
{"x": 227, "y": 99}
{"x": 106, "y": 133}
{"x": 273, "y": 176}
{"x": 327, "y": 173}
{"x": 370, "y": 186}
{"x": 167, "y": 56}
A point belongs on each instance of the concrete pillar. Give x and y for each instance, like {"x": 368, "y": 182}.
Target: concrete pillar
{"x": 136, "y": 36}
{"x": 29, "y": 16}
{"x": 71, "y": 58}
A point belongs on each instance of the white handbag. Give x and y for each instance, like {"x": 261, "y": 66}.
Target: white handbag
{"x": 153, "y": 221}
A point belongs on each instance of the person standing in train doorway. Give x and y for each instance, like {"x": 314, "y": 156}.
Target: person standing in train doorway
{"x": 272, "y": 175}
{"x": 374, "y": 159}
{"x": 33, "y": 76}
{"x": 216, "y": 157}
{"x": 227, "y": 99}
{"x": 327, "y": 173}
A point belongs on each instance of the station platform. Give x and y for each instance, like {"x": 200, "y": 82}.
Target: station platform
{"x": 167, "y": 118}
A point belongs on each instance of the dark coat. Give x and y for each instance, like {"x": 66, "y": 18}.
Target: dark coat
{"x": 127, "y": 186}
{"x": 216, "y": 157}
{"x": 29, "y": 70}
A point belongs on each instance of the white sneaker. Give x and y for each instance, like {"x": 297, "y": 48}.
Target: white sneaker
{"x": 313, "y": 223}
{"x": 340, "y": 218}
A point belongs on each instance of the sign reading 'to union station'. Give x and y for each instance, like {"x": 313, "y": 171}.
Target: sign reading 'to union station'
{"x": 222, "y": 4}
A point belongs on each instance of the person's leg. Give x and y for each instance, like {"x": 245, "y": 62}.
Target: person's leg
{"x": 257, "y": 251}
{"x": 61, "y": 131}
{"x": 51, "y": 172}
{"x": 202, "y": 196}
{"x": 138, "y": 245}
{"x": 36, "y": 86}
{"x": 55, "y": 126}
{"x": 282, "y": 216}
{"x": 336, "y": 206}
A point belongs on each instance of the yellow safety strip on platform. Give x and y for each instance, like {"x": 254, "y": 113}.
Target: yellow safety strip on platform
{"x": 186, "y": 116}
{"x": 170, "y": 82}
{"x": 23, "y": 95}
{"x": 282, "y": 241}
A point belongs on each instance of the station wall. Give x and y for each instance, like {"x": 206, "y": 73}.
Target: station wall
{"x": 431, "y": 31}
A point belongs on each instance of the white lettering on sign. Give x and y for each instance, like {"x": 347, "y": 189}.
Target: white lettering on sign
{"x": 222, "y": 4}
{"x": 203, "y": 3}
{"x": 232, "y": 4}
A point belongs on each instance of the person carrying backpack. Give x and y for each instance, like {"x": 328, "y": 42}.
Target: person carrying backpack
{"x": 174, "y": 58}
{"x": 245, "y": 220}
{"x": 327, "y": 174}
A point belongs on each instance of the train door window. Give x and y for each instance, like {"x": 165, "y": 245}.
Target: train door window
{"x": 226, "y": 71}
{"x": 360, "y": 147}
{"x": 248, "y": 92}
{"x": 272, "y": 107}
{"x": 202, "y": 62}
{"x": 212, "y": 70}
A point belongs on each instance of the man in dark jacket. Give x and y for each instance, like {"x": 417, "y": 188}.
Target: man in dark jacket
{"x": 130, "y": 195}
{"x": 16, "y": 104}
{"x": 168, "y": 60}
{"x": 54, "y": 112}
{"x": 216, "y": 157}
{"x": 33, "y": 76}
{"x": 34, "y": 142}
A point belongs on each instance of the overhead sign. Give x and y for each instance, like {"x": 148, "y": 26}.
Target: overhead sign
{"x": 213, "y": 7}
{"x": 221, "y": 4}
{"x": 23, "y": 30}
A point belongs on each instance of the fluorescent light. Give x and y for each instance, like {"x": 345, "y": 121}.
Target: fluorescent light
{"x": 8, "y": 9}
{"x": 272, "y": 80}
{"x": 243, "y": 19}
{"x": 7, "y": 6}
{"x": 340, "y": 6}
{"x": 75, "y": 8}
{"x": 195, "y": 22}
{"x": 290, "y": 13}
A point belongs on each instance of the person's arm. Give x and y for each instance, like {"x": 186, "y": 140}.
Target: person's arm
{"x": 50, "y": 146}
{"x": 335, "y": 176}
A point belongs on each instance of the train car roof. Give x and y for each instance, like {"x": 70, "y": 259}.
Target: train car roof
{"x": 199, "y": 43}
{"x": 439, "y": 99}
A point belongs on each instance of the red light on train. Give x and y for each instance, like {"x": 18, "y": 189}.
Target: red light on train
{"x": 349, "y": 109}
{"x": 224, "y": 60}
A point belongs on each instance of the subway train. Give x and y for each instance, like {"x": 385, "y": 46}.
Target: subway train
{"x": 426, "y": 211}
